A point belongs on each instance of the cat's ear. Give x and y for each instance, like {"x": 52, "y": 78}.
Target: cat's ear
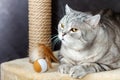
{"x": 94, "y": 20}
{"x": 68, "y": 9}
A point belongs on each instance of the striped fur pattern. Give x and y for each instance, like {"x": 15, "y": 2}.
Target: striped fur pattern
{"x": 90, "y": 43}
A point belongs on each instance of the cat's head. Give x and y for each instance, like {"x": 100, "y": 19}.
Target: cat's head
{"x": 77, "y": 29}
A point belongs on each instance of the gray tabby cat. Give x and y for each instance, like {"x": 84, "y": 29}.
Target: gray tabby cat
{"x": 90, "y": 43}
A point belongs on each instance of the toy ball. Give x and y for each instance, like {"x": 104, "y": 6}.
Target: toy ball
{"x": 40, "y": 65}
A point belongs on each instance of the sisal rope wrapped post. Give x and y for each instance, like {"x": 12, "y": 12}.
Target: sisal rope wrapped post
{"x": 39, "y": 22}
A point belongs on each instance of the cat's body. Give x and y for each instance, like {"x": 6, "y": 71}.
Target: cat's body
{"x": 89, "y": 43}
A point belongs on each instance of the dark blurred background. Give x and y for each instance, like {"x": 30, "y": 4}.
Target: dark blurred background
{"x": 14, "y": 22}
{"x": 13, "y": 29}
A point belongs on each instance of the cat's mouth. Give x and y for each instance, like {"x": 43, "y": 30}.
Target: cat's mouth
{"x": 63, "y": 39}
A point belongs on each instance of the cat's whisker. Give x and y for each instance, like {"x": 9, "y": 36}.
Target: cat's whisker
{"x": 56, "y": 29}
{"x": 59, "y": 41}
{"x": 55, "y": 42}
{"x": 54, "y": 34}
{"x": 54, "y": 37}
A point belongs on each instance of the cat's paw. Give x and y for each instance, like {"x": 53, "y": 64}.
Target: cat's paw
{"x": 77, "y": 72}
{"x": 64, "y": 68}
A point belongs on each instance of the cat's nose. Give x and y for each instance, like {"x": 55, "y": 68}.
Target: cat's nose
{"x": 63, "y": 34}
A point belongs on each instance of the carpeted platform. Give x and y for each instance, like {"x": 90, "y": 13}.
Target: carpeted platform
{"x": 21, "y": 69}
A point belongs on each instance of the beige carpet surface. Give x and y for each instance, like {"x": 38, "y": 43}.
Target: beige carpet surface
{"x": 21, "y": 69}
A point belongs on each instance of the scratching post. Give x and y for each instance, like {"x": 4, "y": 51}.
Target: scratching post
{"x": 39, "y": 22}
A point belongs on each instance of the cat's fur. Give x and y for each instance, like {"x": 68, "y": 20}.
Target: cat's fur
{"x": 93, "y": 45}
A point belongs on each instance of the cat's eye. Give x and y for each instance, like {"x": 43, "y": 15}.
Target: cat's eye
{"x": 74, "y": 29}
{"x": 62, "y": 25}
